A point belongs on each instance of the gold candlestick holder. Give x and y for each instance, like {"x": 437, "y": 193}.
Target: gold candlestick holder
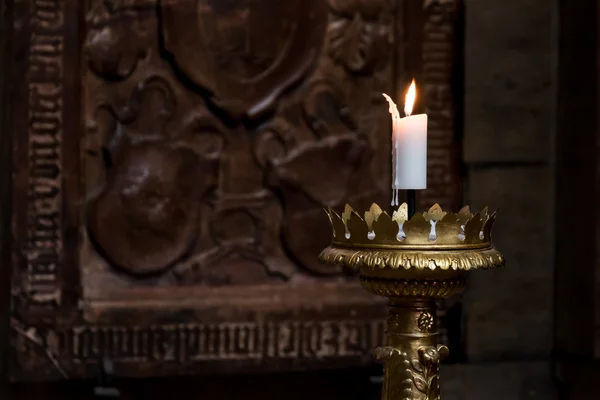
{"x": 413, "y": 262}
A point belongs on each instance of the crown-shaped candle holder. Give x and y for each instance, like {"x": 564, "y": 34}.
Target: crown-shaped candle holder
{"x": 413, "y": 262}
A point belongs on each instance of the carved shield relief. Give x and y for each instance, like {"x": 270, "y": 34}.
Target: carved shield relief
{"x": 177, "y": 220}
{"x": 244, "y": 53}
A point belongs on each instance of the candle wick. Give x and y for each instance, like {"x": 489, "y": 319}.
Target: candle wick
{"x": 411, "y": 202}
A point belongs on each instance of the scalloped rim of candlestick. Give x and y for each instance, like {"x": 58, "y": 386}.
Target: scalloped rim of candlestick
{"x": 434, "y": 240}
{"x": 433, "y": 229}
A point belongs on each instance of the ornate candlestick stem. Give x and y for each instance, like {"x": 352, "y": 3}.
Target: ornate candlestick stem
{"x": 412, "y": 354}
{"x": 414, "y": 263}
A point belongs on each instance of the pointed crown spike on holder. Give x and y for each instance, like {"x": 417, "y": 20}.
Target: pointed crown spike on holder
{"x": 378, "y": 230}
{"x": 401, "y": 214}
{"x": 372, "y": 215}
{"x": 435, "y": 213}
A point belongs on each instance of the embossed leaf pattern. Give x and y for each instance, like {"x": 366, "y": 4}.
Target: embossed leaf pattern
{"x": 385, "y": 353}
{"x": 359, "y": 35}
{"x": 420, "y": 384}
{"x": 398, "y": 366}
{"x": 477, "y": 259}
{"x": 434, "y": 388}
{"x": 434, "y": 289}
{"x": 406, "y": 393}
{"x": 424, "y": 373}
{"x": 417, "y": 366}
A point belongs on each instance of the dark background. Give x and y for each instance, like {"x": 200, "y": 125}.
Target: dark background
{"x": 530, "y": 145}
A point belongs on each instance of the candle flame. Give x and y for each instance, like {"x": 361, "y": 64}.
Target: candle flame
{"x": 393, "y": 108}
{"x": 411, "y": 95}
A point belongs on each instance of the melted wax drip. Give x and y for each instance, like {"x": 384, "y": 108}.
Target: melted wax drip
{"x": 393, "y": 110}
{"x": 395, "y": 196}
{"x": 401, "y": 235}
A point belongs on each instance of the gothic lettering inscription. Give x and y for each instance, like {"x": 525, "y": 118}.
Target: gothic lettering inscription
{"x": 44, "y": 237}
{"x": 224, "y": 341}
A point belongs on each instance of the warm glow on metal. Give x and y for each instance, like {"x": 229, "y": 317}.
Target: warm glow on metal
{"x": 411, "y": 95}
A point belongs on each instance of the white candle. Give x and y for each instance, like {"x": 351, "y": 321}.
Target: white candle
{"x": 409, "y": 146}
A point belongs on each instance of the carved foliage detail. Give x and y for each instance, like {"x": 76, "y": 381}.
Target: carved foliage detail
{"x": 116, "y": 38}
{"x": 314, "y": 163}
{"x": 425, "y": 370}
{"x": 409, "y": 379}
{"x": 397, "y": 383}
{"x": 360, "y": 33}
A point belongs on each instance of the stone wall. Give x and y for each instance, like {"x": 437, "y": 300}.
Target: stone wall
{"x": 5, "y": 160}
{"x": 509, "y": 134}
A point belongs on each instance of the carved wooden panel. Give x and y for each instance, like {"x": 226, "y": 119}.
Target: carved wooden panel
{"x": 172, "y": 159}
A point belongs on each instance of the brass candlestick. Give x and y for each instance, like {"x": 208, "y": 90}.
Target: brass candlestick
{"x": 413, "y": 263}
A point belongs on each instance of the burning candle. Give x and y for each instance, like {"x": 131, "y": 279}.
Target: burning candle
{"x": 409, "y": 146}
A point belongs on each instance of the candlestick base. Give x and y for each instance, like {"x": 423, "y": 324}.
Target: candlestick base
{"x": 414, "y": 263}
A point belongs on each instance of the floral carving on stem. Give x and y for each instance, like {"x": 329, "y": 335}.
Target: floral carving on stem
{"x": 404, "y": 375}
{"x": 425, "y": 370}
{"x": 398, "y": 374}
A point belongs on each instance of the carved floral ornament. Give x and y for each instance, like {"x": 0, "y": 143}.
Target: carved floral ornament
{"x": 359, "y": 34}
{"x": 416, "y": 375}
{"x": 116, "y": 38}
{"x": 426, "y": 322}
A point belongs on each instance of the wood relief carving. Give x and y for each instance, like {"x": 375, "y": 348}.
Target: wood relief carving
{"x": 114, "y": 46}
{"x": 244, "y": 53}
{"x": 184, "y": 193}
{"x": 360, "y": 34}
{"x": 207, "y": 161}
{"x": 145, "y": 217}
{"x": 234, "y": 341}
